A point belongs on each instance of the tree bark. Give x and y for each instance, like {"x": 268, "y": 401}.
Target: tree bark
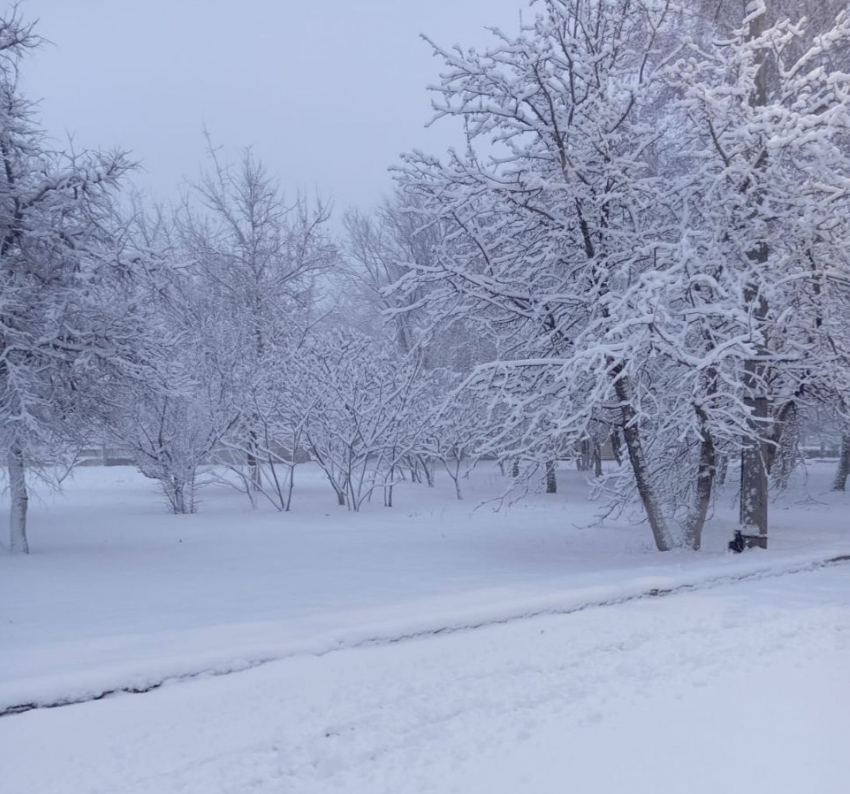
{"x": 631, "y": 434}
{"x": 178, "y": 502}
{"x": 722, "y": 468}
{"x": 753, "y": 513}
{"x": 843, "y": 472}
{"x": 290, "y": 486}
{"x": 255, "y": 481}
{"x": 705, "y": 481}
{"x": 551, "y": 480}
{"x": 429, "y": 473}
{"x": 585, "y": 458}
{"x": 597, "y": 459}
{"x": 782, "y": 450}
{"x": 754, "y": 452}
{"x": 616, "y": 446}
{"x": 19, "y": 500}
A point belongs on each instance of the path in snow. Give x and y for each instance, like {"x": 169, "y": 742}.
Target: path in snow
{"x": 572, "y": 602}
{"x": 741, "y": 688}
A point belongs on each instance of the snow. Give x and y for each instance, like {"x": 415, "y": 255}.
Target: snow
{"x": 741, "y": 689}
{"x": 552, "y": 680}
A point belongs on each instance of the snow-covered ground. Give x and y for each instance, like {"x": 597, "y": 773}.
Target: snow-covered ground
{"x": 736, "y": 690}
{"x": 737, "y": 687}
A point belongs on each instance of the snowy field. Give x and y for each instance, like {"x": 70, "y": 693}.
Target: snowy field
{"x": 732, "y": 687}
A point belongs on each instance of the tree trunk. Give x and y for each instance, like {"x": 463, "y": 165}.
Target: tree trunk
{"x": 597, "y": 459}
{"x": 255, "y": 482}
{"x": 705, "y": 480}
{"x": 617, "y": 446}
{"x": 290, "y": 485}
{"x": 551, "y": 480}
{"x": 753, "y": 513}
{"x": 843, "y": 464}
{"x": 19, "y": 500}
{"x": 178, "y": 502}
{"x": 388, "y": 491}
{"x": 784, "y": 449}
{"x": 722, "y": 469}
{"x": 429, "y": 472}
{"x": 584, "y": 462}
{"x": 631, "y": 434}
{"x": 180, "y": 494}
{"x": 754, "y": 453}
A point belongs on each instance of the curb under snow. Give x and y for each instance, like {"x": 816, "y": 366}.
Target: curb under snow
{"x": 49, "y": 693}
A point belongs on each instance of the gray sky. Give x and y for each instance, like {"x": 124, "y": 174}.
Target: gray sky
{"x": 328, "y": 93}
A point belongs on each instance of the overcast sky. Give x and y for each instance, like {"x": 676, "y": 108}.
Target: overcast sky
{"x": 328, "y": 92}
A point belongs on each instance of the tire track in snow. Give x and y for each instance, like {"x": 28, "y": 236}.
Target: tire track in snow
{"x": 378, "y": 641}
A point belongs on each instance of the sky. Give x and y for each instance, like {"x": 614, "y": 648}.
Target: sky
{"x": 327, "y": 93}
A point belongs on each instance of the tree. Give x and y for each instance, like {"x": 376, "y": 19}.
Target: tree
{"x": 367, "y": 414}
{"x": 615, "y": 233}
{"x": 63, "y": 317}
{"x": 547, "y": 234}
{"x": 174, "y": 420}
{"x": 772, "y": 112}
{"x": 379, "y": 248}
{"x": 257, "y": 257}
{"x": 459, "y": 427}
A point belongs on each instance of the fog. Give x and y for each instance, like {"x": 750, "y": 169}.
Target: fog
{"x": 328, "y": 93}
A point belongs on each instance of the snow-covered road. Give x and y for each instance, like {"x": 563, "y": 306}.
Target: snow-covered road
{"x": 741, "y": 688}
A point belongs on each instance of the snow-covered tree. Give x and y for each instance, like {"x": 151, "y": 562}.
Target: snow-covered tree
{"x": 379, "y": 248}
{"x": 458, "y": 427}
{"x": 174, "y": 420}
{"x": 367, "y": 413}
{"x": 63, "y": 318}
{"x": 257, "y": 257}
{"x": 766, "y": 129}
{"x": 611, "y": 226}
{"x": 554, "y": 220}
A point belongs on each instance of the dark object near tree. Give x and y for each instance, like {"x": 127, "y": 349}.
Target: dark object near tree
{"x": 742, "y": 541}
